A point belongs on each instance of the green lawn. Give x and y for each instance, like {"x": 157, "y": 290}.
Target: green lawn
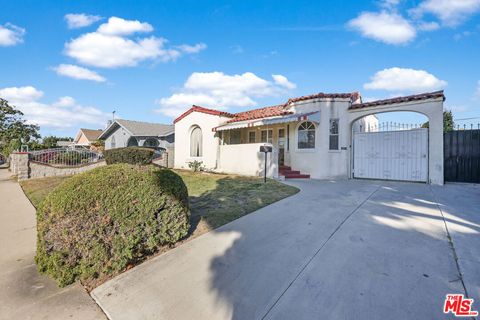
{"x": 215, "y": 199}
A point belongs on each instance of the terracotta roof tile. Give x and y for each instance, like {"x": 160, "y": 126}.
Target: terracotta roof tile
{"x": 195, "y": 108}
{"x": 272, "y": 111}
{"x": 265, "y": 112}
{"x": 415, "y": 97}
{"x": 352, "y": 95}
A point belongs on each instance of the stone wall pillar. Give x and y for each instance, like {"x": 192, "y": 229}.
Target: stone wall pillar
{"x": 19, "y": 165}
{"x": 170, "y": 157}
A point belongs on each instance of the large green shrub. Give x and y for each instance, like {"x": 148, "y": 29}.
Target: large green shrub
{"x": 97, "y": 223}
{"x": 131, "y": 155}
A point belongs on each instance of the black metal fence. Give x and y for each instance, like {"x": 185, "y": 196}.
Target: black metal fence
{"x": 462, "y": 154}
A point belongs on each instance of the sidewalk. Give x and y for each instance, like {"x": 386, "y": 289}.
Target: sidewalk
{"x": 24, "y": 293}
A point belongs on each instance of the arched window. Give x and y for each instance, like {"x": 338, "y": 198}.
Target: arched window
{"x": 306, "y": 135}
{"x": 112, "y": 143}
{"x": 132, "y": 142}
{"x": 151, "y": 143}
{"x": 196, "y": 142}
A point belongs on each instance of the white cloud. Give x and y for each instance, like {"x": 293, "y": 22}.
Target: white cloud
{"x": 100, "y": 50}
{"x": 109, "y": 46}
{"x": 63, "y": 113}
{"x": 121, "y": 27}
{"x": 192, "y": 49}
{"x": 11, "y": 35}
{"x": 478, "y": 89}
{"x": 390, "y": 28}
{"x": 402, "y": 79}
{"x": 222, "y": 91}
{"x": 76, "y": 72}
{"x": 283, "y": 81}
{"x": 80, "y": 20}
{"x": 428, "y": 26}
{"x": 450, "y": 12}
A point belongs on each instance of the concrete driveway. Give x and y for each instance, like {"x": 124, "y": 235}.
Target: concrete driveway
{"x": 336, "y": 250}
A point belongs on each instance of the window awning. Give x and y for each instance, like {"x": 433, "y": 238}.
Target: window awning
{"x": 312, "y": 116}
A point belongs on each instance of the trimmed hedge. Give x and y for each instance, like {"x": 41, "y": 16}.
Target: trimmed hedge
{"x": 98, "y": 223}
{"x": 131, "y": 155}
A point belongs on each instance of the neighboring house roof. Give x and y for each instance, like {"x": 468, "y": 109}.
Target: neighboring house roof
{"x": 139, "y": 128}
{"x": 62, "y": 143}
{"x": 415, "y": 97}
{"x": 90, "y": 134}
{"x": 272, "y": 111}
{"x": 195, "y": 108}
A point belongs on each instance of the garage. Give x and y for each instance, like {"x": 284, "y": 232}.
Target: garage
{"x": 391, "y": 155}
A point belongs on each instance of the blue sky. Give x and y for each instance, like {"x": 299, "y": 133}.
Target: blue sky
{"x": 69, "y": 64}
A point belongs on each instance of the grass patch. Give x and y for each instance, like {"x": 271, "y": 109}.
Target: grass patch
{"x": 37, "y": 189}
{"x": 215, "y": 199}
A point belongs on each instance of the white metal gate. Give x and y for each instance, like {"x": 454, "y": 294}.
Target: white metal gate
{"x": 391, "y": 155}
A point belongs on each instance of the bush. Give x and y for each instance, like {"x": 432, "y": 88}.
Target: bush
{"x": 131, "y": 155}
{"x": 196, "y": 166}
{"x": 96, "y": 224}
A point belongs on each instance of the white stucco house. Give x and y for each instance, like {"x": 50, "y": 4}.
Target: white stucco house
{"x": 316, "y": 136}
{"x": 127, "y": 133}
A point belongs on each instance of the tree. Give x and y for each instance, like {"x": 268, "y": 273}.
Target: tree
{"x": 51, "y": 141}
{"x": 448, "y": 123}
{"x": 14, "y": 130}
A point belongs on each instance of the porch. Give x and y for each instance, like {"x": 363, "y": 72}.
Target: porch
{"x": 240, "y": 142}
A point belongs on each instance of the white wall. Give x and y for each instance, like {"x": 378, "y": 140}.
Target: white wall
{"x": 433, "y": 109}
{"x": 320, "y": 162}
{"x": 210, "y": 141}
{"x": 245, "y": 159}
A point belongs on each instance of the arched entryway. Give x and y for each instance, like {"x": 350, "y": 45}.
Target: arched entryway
{"x": 399, "y": 140}
{"x": 390, "y": 146}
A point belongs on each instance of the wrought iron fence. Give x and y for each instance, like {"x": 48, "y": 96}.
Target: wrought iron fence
{"x": 470, "y": 126}
{"x": 388, "y": 126}
{"x": 66, "y": 157}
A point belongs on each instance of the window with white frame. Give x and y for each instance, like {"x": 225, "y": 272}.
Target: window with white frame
{"x": 266, "y": 136}
{"x": 333, "y": 141}
{"x": 306, "y": 135}
{"x": 112, "y": 143}
{"x": 196, "y": 142}
{"x": 252, "y": 137}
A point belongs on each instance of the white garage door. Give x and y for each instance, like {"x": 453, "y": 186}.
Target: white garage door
{"x": 391, "y": 155}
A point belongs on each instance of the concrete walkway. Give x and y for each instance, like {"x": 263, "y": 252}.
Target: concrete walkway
{"x": 336, "y": 250}
{"x": 25, "y": 294}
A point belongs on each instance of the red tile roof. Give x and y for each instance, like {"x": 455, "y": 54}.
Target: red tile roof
{"x": 272, "y": 111}
{"x": 352, "y": 95}
{"x": 415, "y": 97}
{"x": 203, "y": 110}
{"x": 260, "y": 113}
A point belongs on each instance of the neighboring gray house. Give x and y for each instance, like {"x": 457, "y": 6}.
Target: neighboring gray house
{"x": 127, "y": 133}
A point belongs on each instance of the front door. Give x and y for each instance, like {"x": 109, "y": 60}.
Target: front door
{"x": 281, "y": 147}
